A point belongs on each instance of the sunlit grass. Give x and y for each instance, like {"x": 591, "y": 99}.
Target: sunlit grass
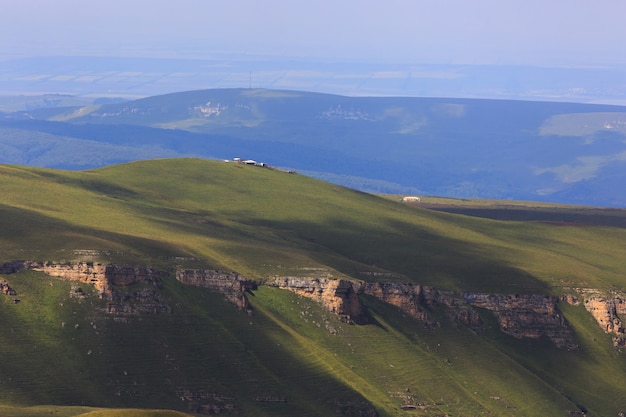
{"x": 60, "y": 411}
{"x": 265, "y": 223}
{"x": 254, "y": 220}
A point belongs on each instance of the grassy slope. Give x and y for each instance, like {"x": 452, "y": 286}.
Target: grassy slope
{"x": 261, "y": 222}
{"x": 60, "y": 411}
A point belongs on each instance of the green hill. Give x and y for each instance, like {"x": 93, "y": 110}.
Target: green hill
{"x": 63, "y": 344}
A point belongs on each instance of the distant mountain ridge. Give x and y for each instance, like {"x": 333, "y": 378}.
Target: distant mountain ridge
{"x": 561, "y": 152}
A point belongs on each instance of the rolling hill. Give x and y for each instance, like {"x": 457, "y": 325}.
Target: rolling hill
{"x": 520, "y": 150}
{"x": 217, "y": 287}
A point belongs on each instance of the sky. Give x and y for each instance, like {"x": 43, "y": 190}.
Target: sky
{"x": 528, "y": 32}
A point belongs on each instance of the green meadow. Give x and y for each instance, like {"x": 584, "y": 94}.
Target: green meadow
{"x": 65, "y": 356}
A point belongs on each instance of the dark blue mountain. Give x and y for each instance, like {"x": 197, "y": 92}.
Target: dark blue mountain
{"x": 562, "y": 152}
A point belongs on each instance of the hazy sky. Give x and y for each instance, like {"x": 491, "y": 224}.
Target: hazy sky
{"x": 536, "y": 32}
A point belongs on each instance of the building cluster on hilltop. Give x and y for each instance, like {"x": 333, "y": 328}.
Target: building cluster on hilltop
{"x": 258, "y": 164}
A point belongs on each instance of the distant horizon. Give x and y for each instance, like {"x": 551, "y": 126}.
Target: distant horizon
{"x": 559, "y": 33}
{"x": 563, "y": 50}
{"x": 137, "y": 77}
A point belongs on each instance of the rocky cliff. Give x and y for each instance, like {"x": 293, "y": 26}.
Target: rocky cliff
{"x": 104, "y": 277}
{"x": 527, "y": 316}
{"x": 409, "y": 298}
{"x": 232, "y": 285}
{"x": 607, "y": 309}
{"x": 114, "y": 283}
{"x": 338, "y": 296}
{"x": 519, "y": 315}
{"x": 414, "y": 300}
{"x": 132, "y": 289}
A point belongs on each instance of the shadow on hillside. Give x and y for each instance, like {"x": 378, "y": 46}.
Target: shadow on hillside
{"x": 397, "y": 250}
{"x": 92, "y": 184}
{"x": 556, "y": 216}
{"x": 262, "y": 354}
{"x": 370, "y": 320}
{"x": 402, "y": 249}
{"x": 35, "y": 236}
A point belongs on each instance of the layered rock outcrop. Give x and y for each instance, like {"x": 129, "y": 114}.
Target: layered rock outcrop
{"x": 340, "y": 297}
{"x": 232, "y": 285}
{"x": 115, "y": 283}
{"x": 104, "y": 277}
{"x": 521, "y": 316}
{"x": 111, "y": 282}
{"x": 527, "y": 316}
{"x": 409, "y": 298}
{"x": 414, "y": 300}
{"x": 608, "y": 310}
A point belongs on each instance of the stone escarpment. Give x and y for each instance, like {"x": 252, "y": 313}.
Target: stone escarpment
{"x": 232, "y": 285}
{"x": 607, "y": 309}
{"x": 521, "y": 316}
{"x": 104, "y": 277}
{"x": 527, "y": 316}
{"x": 415, "y": 300}
{"x": 117, "y": 284}
{"x": 114, "y": 283}
{"x": 340, "y": 297}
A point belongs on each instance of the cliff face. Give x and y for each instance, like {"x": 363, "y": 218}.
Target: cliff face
{"x": 114, "y": 283}
{"x": 607, "y": 309}
{"x": 340, "y": 297}
{"x": 233, "y": 286}
{"x": 527, "y": 316}
{"x": 104, "y": 277}
{"x": 409, "y": 298}
{"x": 521, "y": 316}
